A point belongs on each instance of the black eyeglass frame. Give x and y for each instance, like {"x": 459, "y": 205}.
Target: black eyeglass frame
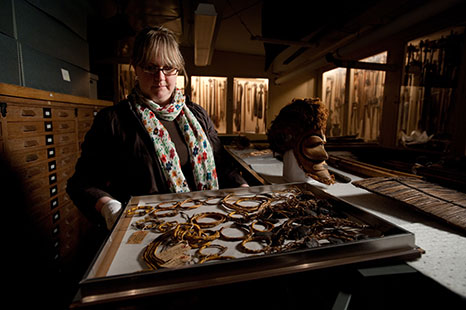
{"x": 167, "y": 71}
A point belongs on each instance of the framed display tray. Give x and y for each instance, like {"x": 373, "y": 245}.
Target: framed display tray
{"x": 124, "y": 267}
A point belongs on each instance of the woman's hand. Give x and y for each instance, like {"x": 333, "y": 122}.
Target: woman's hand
{"x": 110, "y": 210}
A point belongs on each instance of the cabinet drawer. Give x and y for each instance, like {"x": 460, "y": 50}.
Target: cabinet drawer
{"x": 64, "y": 150}
{"x": 60, "y": 176}
{"x": 65, "y": 174}
{"x": 84, "y": 125}
{"x": 39, "y": 203}
{"x": 62, "y": 199}
{"x": 35, "y": 128}
{"x": 81, "y": 135}
{"x": 70, "y": 213}
{"x": 48, "y": 224}
{"x": 66, "y": 161}
{"x": 65, "y": 138}
{"x": 22, "y": 129}
{"x": 35, "y": 185}
{"x": 21, "y": 144}
{"x": 24, "y": 113}
{"x": 62, "y": 113}
{"x": 32, "y": 171}
{"x": 85, "y": 113}
{"x": 64, "y": 126}
{"x": 27, "y": 158}
{"x": 47, "y": 217}
{"x": 48, "y": 196}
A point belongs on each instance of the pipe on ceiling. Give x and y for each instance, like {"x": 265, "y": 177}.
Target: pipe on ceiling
{"x": 418, "y": 15}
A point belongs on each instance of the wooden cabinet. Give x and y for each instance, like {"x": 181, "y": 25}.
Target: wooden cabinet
{"x": 40, "y": 135}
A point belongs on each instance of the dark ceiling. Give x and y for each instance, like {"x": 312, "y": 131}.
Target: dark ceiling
{"x": 291, "y": 29}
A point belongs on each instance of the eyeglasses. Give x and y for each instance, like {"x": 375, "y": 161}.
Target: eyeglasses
{"x": 155, "y": 70}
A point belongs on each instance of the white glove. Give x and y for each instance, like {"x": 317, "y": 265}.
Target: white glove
{"x": 110, "y": 211}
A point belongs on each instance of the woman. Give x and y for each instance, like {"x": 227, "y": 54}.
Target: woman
{"x": 155, "y": 141}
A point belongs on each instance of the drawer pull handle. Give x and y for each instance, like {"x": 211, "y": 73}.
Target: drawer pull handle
{"x": 64, "y": 126}
{"x": 33, "y": 172}
{"x": 63, "y": 114}
{"x": 31, "y": 157}
{"x": 30, "y": 143}
{"x": 29, "y": 113}
{"x": 3, "y": 108}
{"x": 29, "y": 128}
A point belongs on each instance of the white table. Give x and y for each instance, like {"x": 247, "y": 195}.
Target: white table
{"x": 445, "y": 250}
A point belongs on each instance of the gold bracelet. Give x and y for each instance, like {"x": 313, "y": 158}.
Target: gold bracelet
{"x": 242, "y": 246}
{"x": 248, "y": 209}
{"x": 215, "y": 257}
{"x": 246, "y": 232}
{"x": 174, "y": 204}
{"x": 183, "y": 229}
{"x": 196, "y": 205}
{"x": 192, "y": 234}
{"x": 244, "y": 217}
{"x": 218, "y": 217}
{"x": 210, "y": 235}
{"x": 166, "y": 226}
{"x": 208, "y": 199}
{"x": 221, "y": 249}
{"x": 140, "y": 210}
{"x": 168, "y": 213}
{"x": 268, "y": 226}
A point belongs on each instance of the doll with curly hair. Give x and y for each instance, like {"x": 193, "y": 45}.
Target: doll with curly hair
{"x": 300, "y": 127}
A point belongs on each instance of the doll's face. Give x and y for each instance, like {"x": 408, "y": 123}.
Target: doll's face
{"x": 311, "y": 156}
{"x": 312, "y": 147}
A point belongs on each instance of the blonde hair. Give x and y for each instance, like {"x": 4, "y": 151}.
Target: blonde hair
{"x": 157, "y": 43}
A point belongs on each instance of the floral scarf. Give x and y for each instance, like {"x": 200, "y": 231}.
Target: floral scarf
{"x": 200, "y": 150}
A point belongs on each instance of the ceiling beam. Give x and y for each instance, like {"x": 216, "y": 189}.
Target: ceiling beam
{"x": 418, "y": 15}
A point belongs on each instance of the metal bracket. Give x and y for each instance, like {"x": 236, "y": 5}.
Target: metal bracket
{"x": 3, "y": 106}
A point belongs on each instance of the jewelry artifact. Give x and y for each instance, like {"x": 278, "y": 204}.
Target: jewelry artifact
{"x": 268, "y": 223}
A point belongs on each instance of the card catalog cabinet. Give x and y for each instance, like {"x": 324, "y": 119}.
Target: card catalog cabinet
{"x": 41, "y": 134}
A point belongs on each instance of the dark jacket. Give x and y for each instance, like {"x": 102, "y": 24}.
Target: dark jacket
{"x": 118, "y": 159}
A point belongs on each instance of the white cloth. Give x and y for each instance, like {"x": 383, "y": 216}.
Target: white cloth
{"x": 292, "y": 172}
{"x": 110, "y": 211}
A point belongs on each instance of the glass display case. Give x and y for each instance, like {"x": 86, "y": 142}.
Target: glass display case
{"x": 428, "y": 92}
{"x": 249, "y": 105}
{"x": 355, "y": 111}
{"x": 333, "y": 95}
{"x": 211, "y": 93}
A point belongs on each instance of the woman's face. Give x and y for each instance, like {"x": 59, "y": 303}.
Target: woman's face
{"x": 155, "y": 84}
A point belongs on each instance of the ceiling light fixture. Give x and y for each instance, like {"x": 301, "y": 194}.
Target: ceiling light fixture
{"x": 205, "y": 17}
